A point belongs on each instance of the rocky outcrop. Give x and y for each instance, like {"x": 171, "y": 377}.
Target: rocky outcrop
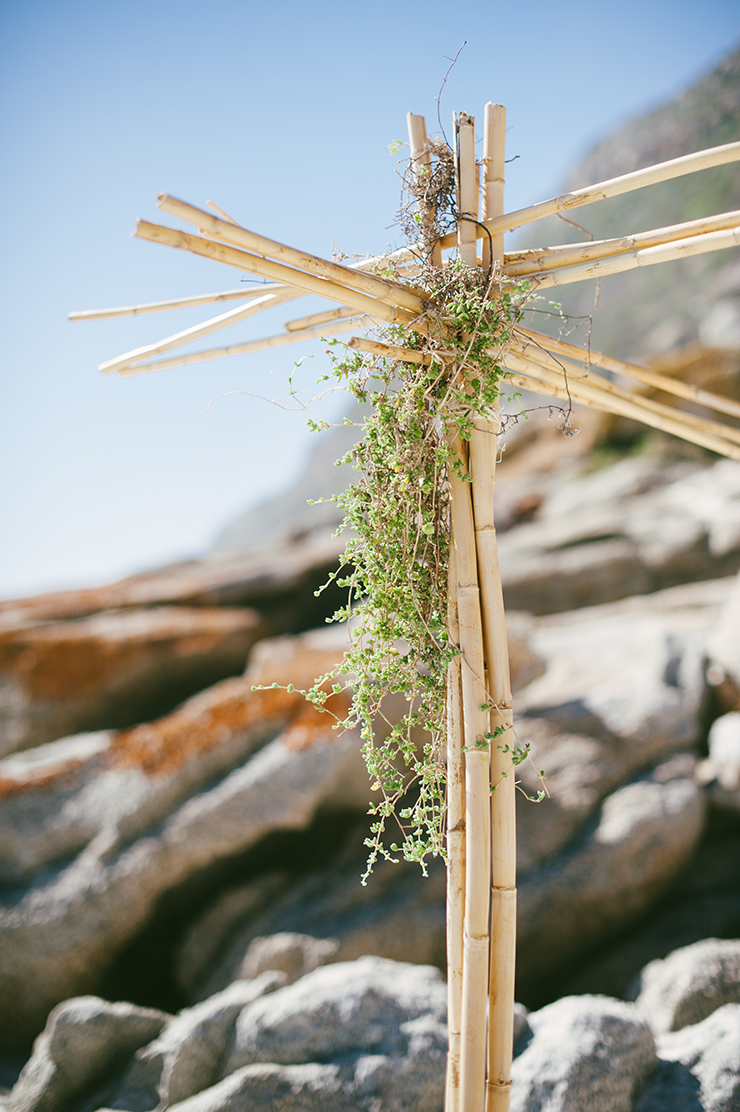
{"x": 157, "y": 805}
{"x": 586, "y": 1054}
{"x": 84, "y": 1039}
{"x": 699, "y": 1067}
{"x": 114, "y": 669}
{"x": 690, "y": 984}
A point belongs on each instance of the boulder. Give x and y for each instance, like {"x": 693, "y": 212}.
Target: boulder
{"x": 84, "y": 1039}
{"x": 690, "y": 984}
{"x": 586, "y": 1054}
{"x": 114, "y": 669}
{"x": 161, "y": 803}
{"x": 720, "y": 772}
{"x": 637, "y": 526}
{"x": 185, "y": 1056}
{"x": 724, "y": 652}
{"x": 265, "y": 1088}
{"x": 699, "y": 1067}
{"x": 632, "y": 671}
{"x": 641, "y": 837}
{"x": 380, "y": 1021}
{"x": 326, "y": 916}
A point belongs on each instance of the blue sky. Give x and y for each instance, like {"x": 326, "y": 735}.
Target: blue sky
{"x": 281, "y": 113}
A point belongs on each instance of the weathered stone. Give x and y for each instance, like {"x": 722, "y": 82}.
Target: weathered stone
{"x": 168, "y": 800}
{"x": 699, "y": 1067}
{"x": 630, "y": 672}
{"x": 185, "y": 1057}
{"x": 642, "y": 836}
{"x": 266, "y": 1088}
{"x": 690, "y": 984}
{"x": 84, "y": 1039}
{"x": 587, "y": 1054}
{"x": 114, "y": 669}
{"x": 339, "y": 1009}
{"x": 720, "y": 772}
{"x": 724, "y": 652}
{"x": 399, "y": 915}
{"x": 634, "y": 527}
{"x": 381, "y": 1022}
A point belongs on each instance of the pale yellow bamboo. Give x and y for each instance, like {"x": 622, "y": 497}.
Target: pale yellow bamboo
{"x": 467, "y": 188}
{"x": 197, "y": 331}
{"x": 545, "y": 359}
{"x": 477, "y": 806}
{"x": 319, "y": 318}
{"x": 281, "y": 340}
{"x": 388, "y": 293}
{"x": 612, "y": 397}
{"x": 455, "y": 849}
{"x": 614, "y": 187}
{"x": 421, "y": 161}
{"x": 255, "y": 264}
{"x": 648, "y": 256}
{"x": 494, "y": 125}
{"x": 483, "y": 454}
{"x": 244, "y": 294}
{"x": 391, "y": 351}
{"x": 641, "y": 374}
{"x": 551, "y": 258}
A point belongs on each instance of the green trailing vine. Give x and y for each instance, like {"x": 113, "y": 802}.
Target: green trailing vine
{"x": 397, "y": 516}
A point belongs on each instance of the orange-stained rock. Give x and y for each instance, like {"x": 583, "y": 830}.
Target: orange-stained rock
{"x": 114, "y": 668}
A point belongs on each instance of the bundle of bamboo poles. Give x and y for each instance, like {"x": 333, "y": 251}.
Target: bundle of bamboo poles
{"x": 481, "y": 836}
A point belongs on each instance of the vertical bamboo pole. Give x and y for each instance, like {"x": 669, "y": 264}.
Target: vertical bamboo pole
{"x": 455, "y": 849}
{"x": 475, "y": 717}
{"x": 503, "y": 818}
{"x": 467, "y": 187}
{"x": 477, "y": 805}
{"x": 421, "y": 161}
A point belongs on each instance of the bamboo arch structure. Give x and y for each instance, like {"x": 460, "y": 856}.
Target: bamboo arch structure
{"x": 481, "y": 831}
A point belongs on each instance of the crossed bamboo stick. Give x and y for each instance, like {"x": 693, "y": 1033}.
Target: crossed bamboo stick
{"x": 481, "y": 830}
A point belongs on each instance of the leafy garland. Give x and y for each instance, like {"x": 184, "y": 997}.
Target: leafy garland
{"x": 395, "y": 564}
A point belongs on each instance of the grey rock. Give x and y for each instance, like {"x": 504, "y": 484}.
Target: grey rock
{"x": 699, "y": 1067}
{"x": 170, "y": 799}
{"x": 292, "y": 953}
{"x": 587, "y": 1054}
{"x": 721, "y": 770}
{"x": 724, "y": 651}
{"x": 361, "y": 1006}
{"x": 691, "y": 983}
{"x": 642, "y": 836}
{"x": 186, "y": 1056}
{"x": 305, "y": 1088}
{"x": 84, "y": 1039}
{"x": 399, "y": 915}
{"x": 622, "y": 673}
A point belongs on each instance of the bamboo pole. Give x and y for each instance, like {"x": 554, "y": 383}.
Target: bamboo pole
{"x": 455, "y": 848}
{"x": 197, "y": 331}
{"x": 467, "y": 187}
{"x": 648, "y": 256}
{"x": 254, "y": 264}
{"x": 483, "y": 451}
{"x": 609, "y": 396}
{"x": 552, "y": 257}
{"x": 692, "y": 420}
{"x": 663, "y": 382}
{"x": 281, "y": 340}
{"x": 477, "y": 807}
{"x": 421, "y": 161}
{"x": 388, "y": 293}
{"x": 614, "y": 187}
{"x": 494, "y": 153}
{"x": 243, "y": 294}
{"x": 319, "y": 318}
{"x": 406, "y": 355}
